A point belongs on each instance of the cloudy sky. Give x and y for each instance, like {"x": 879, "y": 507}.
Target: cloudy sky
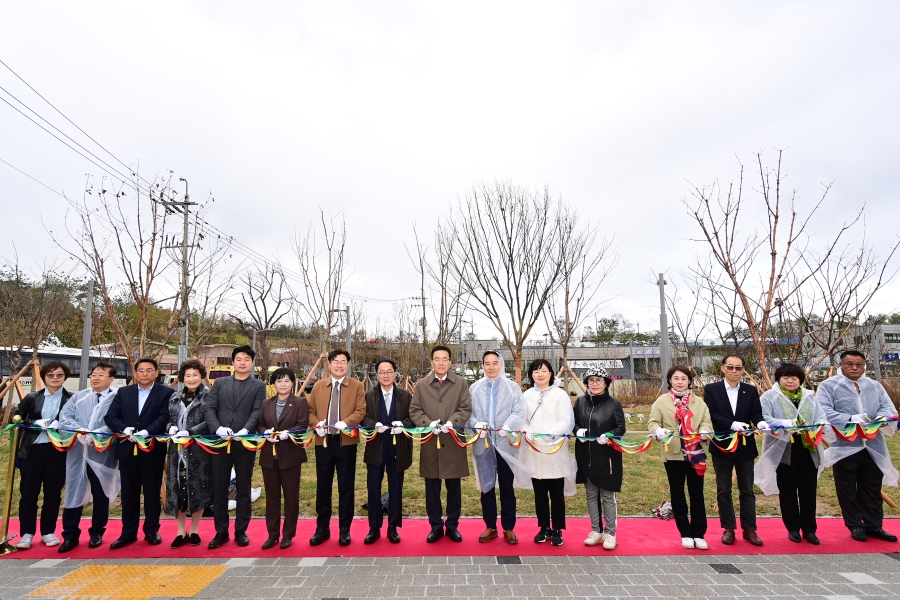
{"x": 387, "y": 112}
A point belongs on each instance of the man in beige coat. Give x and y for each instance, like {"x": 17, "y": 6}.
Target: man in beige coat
{"x": 336, "y": 403}
{"x": 442, "y": 400}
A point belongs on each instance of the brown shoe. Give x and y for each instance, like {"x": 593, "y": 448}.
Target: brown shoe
{"x": 488, "y": 535}
{"x": 728, "y": 537}
{"x": 510, "y": 537}
{"x": 751, "y": 537}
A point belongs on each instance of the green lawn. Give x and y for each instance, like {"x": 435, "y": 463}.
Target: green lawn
{"x": 644, "y": 487}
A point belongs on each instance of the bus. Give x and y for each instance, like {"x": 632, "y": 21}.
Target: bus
{"x": 71, "y": 357}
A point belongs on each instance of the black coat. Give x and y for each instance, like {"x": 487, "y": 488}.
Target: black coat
{"x": 599, "y": 462}
{"x": 123, "y": 412}
{"x": 30, "y": 410}
{"x": 198, "y": 460}
{"x": 749, "y": 410}
{"x": 403, "y": 447}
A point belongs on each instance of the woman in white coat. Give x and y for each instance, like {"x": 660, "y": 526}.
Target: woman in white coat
{"x": 548, "y": 411}
{"x": 790, "y": 465}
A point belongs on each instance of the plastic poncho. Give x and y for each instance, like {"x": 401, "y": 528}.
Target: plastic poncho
{"x": 82, "y": 411}
{"x": 840, "y": 400}
{"x": 499, "y": 403}
{"x": 775, "y": 406}
{"x": 550, "y": 412}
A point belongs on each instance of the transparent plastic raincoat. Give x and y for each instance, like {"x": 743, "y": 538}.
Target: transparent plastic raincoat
{"x": 777, "y": 407}
{"x": 82, "y": 411}
{"x": 840, "y": 400}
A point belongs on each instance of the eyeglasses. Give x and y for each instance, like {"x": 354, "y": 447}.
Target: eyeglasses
{"x": 339, "y": 362}
{"x": 144, "y": 371}
{"x": 440, "y": 360}
{"x": 733, "y": 368}
{"x": 385, "y": 372}
{"x": 55, "y": 375}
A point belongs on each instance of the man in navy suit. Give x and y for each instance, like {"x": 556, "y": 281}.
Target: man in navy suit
{"x": 734, "y": 406}
{"x": 139, "y": 410}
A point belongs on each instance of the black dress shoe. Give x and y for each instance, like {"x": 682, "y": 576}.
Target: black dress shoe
{"x": 241, "y": 539}
{"x": 194, "y": 539}
{"x": 794, "y": 536}
{"x": 286, "y": 543}
{"x": 372, "y": 536}
{"x": 436, "y": 534}
{"x": 269, "y": 543}
{"x": 96, "y": 541}
{"x": 218, "y": 541}
{"x": 393, "y": 536}
{"x": 122, "y": 542}
{"x": 858, "y": 534}
{"x": 154, "y": 539}
{"x": 179, "y": 541}
{"x": 881, "y": 534}
{"x": 67, "y": 545}
{"x": 454, "y": 535}
{"x": 344, "y": 539}
{"x": 812, "y": 538}
{"x": 320, "y": 536}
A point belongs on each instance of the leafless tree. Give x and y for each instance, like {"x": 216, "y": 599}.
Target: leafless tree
{"x": 688, "y": 304}
{"x": 508, "y": 259}
{"x": 266, "y": 301}
{"x": 774, "y": 261}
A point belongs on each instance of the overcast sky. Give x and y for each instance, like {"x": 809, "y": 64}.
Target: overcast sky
{"x": 389, "y": 111}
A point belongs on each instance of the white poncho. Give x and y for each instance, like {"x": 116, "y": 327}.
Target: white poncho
{"x": 840, "y": 400}
{"x": 776, "y": 406}
{"x": 499, "y": 403}
{"x": 82, "y": 411}
{"x": 550, "y": 412}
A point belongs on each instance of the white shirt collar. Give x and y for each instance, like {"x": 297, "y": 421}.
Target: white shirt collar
{"x": 337, "y": 381}
{"x": 733, "y": 387}
{"x": 388, "y": 391}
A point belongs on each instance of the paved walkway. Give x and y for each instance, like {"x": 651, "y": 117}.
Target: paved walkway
{"x": 837, "y": 577}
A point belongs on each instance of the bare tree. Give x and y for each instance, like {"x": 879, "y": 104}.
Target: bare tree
{"x": 773, "y": 262}
{"x": 322, "y": 264}
{"x": 266, "y": 301}
{"x": 508, "y": 259}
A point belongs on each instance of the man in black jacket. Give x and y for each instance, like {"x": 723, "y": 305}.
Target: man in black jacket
{"x": 140, "y": 410}
{"x": 387, "y": 408}
{"x": 734, "y": 406}
{"x": 232, "y": 409}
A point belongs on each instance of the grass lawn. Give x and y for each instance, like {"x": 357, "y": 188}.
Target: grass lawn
{"x": 644, "y": 487}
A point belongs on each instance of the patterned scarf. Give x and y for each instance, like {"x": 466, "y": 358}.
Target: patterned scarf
{"x": 690, "y": 441}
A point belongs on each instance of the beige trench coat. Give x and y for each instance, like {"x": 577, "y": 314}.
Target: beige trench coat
{"x": 448, "y": 402}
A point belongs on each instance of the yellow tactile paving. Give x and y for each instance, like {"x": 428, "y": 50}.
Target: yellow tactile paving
{"x": 96, "y": 582}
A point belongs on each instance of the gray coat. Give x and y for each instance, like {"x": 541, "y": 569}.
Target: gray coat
{"x": 447, "y": 402}
{"x": 197, "y": 461}
{"x": 235, "y": 404}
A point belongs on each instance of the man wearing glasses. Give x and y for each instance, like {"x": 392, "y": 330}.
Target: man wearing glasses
{"x": 734, "y": 406}
{"x": 442, "y": 400}
{"x": 336, "y": 403}
{"x": 139, "y": 410}
{"x": 387, "y": 408}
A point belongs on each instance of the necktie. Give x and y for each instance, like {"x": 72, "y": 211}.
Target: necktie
{"x": 98, "y": 396}
{"x": 440, "y": 382}
{"x": 334, "y": 408}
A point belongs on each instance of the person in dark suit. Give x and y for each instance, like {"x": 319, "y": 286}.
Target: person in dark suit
{"x": 139, "y": 410}
{"x": 232, "y": 409}
{"x": 390, "y": 452}
{"x": 281, "y": 460}
{"x": 735, "y": 406}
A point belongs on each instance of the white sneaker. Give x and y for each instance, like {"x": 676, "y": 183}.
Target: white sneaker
{"x": 50, "y": 540}
{"x": 25, "y": 542}
{"x": 610, "y": 542}
{"x": 700, "y": 544}
{"x": 687, "y": 542}
{"x": 593, "y": 539}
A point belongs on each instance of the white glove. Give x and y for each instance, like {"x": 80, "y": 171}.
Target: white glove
{"x": 269, "y": 431}
{"x": 602, "y": 439}
{"x": 580, "y": 434}
{"x": 763, "y": 426}
{"x": 320, "y": 428}
{"x": 480, "y": 425}
{"x": 128, "y": 431}
{"x": 704, "y": 435}
{"x": 529, "y": 434}
{"x": 397, "y": 424}
{"x": 242, "y": 432}
{"x": 661, "y": 433}
{"x": 86, "y": 440}
{"x": 381, "y": 428}
{"x": 183, "y": 433}
{"x": 861, "y": 419}
{"x": 172, "y": 430}
{"x": 283, "y": 435}
{"x": 53, "y": 425}
{"x": 340, "y": 425}
{"x": 739, "y": 426}
{"x": 505, "y": 431}
{"x": 435, "y": 424}
{"x": 448, "y": 426}
{"x": 224, "y": 432}
{"x": 42, "y": 423}
{"x": 396, "y": 430}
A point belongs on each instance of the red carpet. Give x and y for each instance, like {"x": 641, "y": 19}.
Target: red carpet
{"x": 636, "y": 536}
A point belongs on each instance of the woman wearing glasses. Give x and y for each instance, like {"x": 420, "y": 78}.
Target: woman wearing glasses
{"x": 42, "y": 465}
{"x": 548, "y": 410}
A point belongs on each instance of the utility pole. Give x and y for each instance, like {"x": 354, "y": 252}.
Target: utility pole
{"x": 185, "y": 208}
{"x": 86, "y": 336}
{"x": 423, "y": 322}
{"x": 876, "y": 354}
{"x": 664, "y": 360}
{"x": 346, "y": 309}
